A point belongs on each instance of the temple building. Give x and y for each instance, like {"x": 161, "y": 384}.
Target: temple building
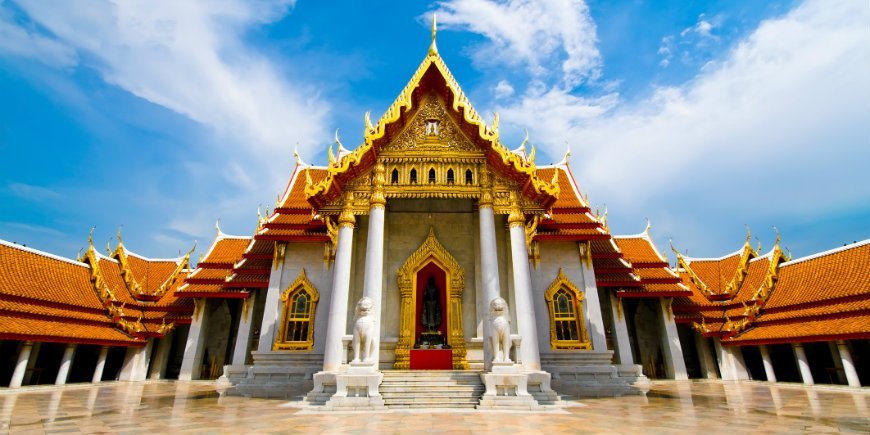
{"x": 434, "y": 266}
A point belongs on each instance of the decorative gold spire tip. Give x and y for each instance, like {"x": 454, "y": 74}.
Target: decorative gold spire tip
{"x": 433, "y": 48}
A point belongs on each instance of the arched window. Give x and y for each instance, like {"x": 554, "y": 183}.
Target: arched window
{"x": 413, "y": 178}
{"x": 394, "y": 177}
{"x": 296, "y": 331}
{"x": 431, "y": 176}
{"x": 468, "y": 178}
{"x": 567, "y": 325}
{"x": 450, "y": 178}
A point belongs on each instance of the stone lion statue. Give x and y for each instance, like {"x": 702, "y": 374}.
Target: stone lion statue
{"x": 364, "y": 330}
{"x": 500, "y": 330}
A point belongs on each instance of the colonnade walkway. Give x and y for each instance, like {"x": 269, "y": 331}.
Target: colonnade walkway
{"x": 670, "y": 406}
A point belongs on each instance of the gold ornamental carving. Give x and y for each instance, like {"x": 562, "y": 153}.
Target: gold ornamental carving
{"x": 430, "y": 130}
{"x": 431, "y": 251}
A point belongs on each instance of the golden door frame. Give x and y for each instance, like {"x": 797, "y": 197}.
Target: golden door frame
{"x": 431, "y": 251}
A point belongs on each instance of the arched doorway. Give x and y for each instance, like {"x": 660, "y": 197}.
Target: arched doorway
{"x": 431, "y": 260}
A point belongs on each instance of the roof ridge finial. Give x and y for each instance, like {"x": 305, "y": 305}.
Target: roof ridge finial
{"x": 217, "y": 227}
{"x": 297, "y": 157}
{"x": 433, "y": 48}
{"x": 648, "y": 226}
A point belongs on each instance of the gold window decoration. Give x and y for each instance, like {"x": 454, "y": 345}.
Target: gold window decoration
{"x": 565, "y": 305}
{"x": 299, "y": 302}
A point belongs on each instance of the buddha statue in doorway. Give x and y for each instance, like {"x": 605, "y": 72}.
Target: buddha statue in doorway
{"x": 431, "y": 313}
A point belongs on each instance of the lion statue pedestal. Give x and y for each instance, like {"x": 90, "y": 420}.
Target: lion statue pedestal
{"x": 506, "y": 383}
{"x": 356, "y": 386}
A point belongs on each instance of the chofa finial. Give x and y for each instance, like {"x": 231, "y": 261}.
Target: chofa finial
{"x": 433, "y": 49}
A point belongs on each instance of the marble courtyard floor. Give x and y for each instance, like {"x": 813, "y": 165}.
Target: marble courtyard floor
{"x": 669, "y": 407}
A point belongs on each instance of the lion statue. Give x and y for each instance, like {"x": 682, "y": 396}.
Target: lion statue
{"x": 363, "y": 330}
{"x": 500, "y": 330}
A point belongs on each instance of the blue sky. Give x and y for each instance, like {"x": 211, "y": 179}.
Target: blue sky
{"x": 703, "y": 116}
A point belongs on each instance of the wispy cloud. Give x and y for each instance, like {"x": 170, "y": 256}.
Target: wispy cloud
{"x": 189, "y": 57}
{"x": 775, "y": 127}
{"x": 531, "y": 33}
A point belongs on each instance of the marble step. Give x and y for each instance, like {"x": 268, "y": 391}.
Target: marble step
{"x": 417, "y": 394}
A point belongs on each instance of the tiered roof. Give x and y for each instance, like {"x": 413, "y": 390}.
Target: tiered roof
{"x": 49, "y": 298}
{"x": 656, "y": 277}
{"x": 769, "y": 299}
{"x": 817, "y": 298}
{"x": 211, "y": 277}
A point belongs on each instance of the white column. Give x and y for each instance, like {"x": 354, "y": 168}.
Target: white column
{"x": 525, "y": 310}
{"x": 803, "y": 363}
{"x": 135, "y": 366}
{"x": 161, "y": 356}
{"x": 101, "y": 364}
{"x": 337, "y": 326}
{"x": 21, "y": 365}
{"x": 191, "y": 364}
{"x": 65, "y": 364}
{"x": 374, "y": 263}
{"x": 848, "y": 364}
{"x": 243, "y": 333}
{"x": 739, "y": 363}
{"x": 768, "y": 364}
{"x": 31, "y": 363}
{"x": 675, "y": 366}
{"x": 489, "y": 271}
{"x": 708, "y": 363}
{"x": 725, "y": 367}
{"x": 272, "y": 307}
{"x": 592, "y": 306}
{"x": 620, "y": 331}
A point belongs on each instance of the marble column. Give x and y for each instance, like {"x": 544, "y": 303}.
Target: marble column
{"x": 620, "y": 331}
{"x": 768, "y": 364}
{"x": 491, "y": 287}
{"x": 191, "y": 364}
{"x": 803, "y": 363}
{"x": 736, "y": 353}
{"x": 591, "y": 305}
{"x": 848, "y": 364}
{"x": 136, "y": 360}
{"x": 524, "y": 308}
{"x": 374, "y": 263}
{"x": 31, "y": 363}
{"x": 243, "y": 333}
{"x": 708, "y": 363}
{"x": 272, "y": 308}
{"x": 161, "y": 356}
{"x": 675, "y": 365}
{"x": 21, "y": 365}
{"x": 101, "y": 364}
{"x": 725, "y": 367}
{"x": 65, "y": 364}
{"x": 337, "y": 326}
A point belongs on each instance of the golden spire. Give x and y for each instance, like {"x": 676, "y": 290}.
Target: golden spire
{"x": 433, "y": 49}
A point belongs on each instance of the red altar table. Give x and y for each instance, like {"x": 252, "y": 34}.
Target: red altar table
{"x": 431, "y": 359}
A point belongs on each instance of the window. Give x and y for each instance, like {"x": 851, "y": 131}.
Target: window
{"x": 431, "y": 176}
{"x": 296, "y": 331}
{"x": 394, "y": 177}
{"x": 468, "y": 177}
{"x": 413, "y": 178}
{"x": 450, "y": 179}
{"x": 567, "y": 326}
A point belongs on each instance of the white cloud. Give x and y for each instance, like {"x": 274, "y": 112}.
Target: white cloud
{"x": 503, "y": 90}
{"x": 189, "y": 57}
{"x": 777, "y": 128}
{"x": 19, "y": 41}
{"x": 533, "y": 33}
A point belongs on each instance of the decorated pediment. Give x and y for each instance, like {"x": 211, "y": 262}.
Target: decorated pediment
{"x": 432, "y": 143}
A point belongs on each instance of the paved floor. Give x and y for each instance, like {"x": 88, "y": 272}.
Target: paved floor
{"x": 195, "y": 407}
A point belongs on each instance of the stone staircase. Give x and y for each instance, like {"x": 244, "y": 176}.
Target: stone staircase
{"x": 431, "y": 388}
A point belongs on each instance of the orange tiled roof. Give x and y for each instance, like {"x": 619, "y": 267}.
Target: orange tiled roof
{"x": 656, "y": 277}
{"x": 49, "y": 298}
{"x": 821, "y": 297}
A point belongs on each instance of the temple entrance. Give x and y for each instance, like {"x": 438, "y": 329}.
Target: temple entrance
{"x": 431, "y": 283}
{"x": 431, "y": 348}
